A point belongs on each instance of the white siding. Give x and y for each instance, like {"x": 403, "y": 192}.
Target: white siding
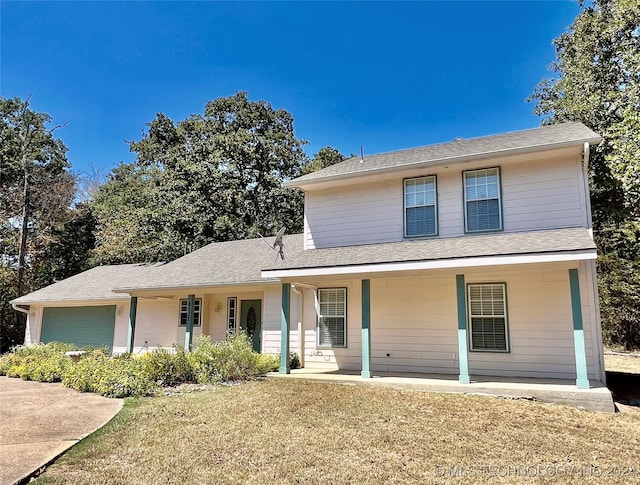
{"x": 414, "y": 325}
{"x": 542, "y": 195}
{"x": 354, "y": 214}
{"x": 536, "y": 194}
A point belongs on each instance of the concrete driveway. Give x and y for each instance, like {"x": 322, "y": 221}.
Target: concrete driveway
{"x": 39, "y": 422}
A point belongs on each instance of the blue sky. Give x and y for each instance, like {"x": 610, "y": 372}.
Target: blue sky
{"x": 381, "y": 75}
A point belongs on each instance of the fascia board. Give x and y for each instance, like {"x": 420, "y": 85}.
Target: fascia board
{"x": 434, "y": 264}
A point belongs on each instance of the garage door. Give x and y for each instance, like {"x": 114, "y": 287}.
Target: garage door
{"x": 83, "y": 326}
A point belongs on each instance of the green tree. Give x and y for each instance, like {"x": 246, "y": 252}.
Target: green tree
{"x": 212, "y": 177}
{"x": 36, "y": 193}
{"x": 325, "y": 157}
{"x": 596, "y": 80}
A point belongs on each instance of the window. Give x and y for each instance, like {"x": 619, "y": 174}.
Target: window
{"x": 420, "y": 215}
{"x": 232, "y": 310}
{"x": 332, "y": 318}
{"x": 488, "y": 317}
{"x": 197, "y": 306}
{"x": 482, "y": 204}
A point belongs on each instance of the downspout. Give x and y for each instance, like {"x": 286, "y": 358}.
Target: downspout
{"x": 300, "y": 324}
{"x": 585, "y": 169}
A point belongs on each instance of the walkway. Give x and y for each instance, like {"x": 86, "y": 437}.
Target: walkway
{"x": 596, "y": 398}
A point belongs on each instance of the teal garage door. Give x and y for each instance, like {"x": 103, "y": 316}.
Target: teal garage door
{"x": 84, "y": 326}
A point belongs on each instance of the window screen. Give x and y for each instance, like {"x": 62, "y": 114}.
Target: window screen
{"x": 482, "y": 200}
{"x": 420, "y": 217}
{"x": 488, "y": 317}
{"x": 332, "y": 320}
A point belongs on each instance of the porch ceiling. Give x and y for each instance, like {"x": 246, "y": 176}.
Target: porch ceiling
{"x": 570, "y": 244}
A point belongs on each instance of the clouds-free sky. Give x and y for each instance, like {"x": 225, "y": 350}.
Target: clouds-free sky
{"x": 381, "y": 75}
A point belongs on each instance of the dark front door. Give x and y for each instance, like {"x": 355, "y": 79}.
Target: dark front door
{"x": 251, "y": 321}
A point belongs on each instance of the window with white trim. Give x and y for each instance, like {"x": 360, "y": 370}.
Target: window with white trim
{"x": 488, "y": 317}
{"x": 332, "y": 317}
{"x": 232, "y": 313}
{"x": 197, "y": 307}
{"x": 420, "y": 207}
{"x": 482, "y": 200}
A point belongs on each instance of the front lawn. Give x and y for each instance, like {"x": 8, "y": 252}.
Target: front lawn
{"x": 293, "y": 431}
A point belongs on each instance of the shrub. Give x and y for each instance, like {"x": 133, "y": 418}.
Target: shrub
{"x": 294, "y": 360}
{"x": 83, "y": 375}
{"x": 167, "y": 367}
{"x": 268, "y": 363}
{"x": 42, "y": 362}
{"x": 120, "y": 376}
{"x": 230, "y": 360}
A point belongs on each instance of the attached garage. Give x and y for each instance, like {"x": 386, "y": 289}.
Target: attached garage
{"x": 84, "y": 326}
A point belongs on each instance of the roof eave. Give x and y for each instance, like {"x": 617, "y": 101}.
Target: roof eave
{"x": 129, "y": 290}
{"x": 19, "y": 301}
{"x": 301, "y": 184}
{"x": 444, "y": 263}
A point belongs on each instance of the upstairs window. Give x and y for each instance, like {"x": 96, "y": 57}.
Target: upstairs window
{"x": 482, "y": 204}
{"x": 197, "y": 306}
{"x": 332, "y": 318}
{"x": 488, "y": 317}
{"x": 420, "y": 214}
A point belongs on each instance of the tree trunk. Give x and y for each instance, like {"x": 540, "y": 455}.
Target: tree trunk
{"x": 22, "y": 250}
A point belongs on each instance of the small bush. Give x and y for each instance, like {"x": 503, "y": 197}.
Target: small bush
{"x": 230, "y": 360}
{"x": 83, "y": 375}
{"x": 43, "y": 362}
{"x": 167, "y": 367}
{"x": 121, "y": 376}
{"x": 294, "y": 360}
{"x": 268, "y": 363}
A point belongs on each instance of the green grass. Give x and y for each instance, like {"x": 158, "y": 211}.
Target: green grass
{"x": 293, "y": 431}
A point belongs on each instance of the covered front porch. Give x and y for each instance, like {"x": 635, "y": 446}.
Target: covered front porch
{"x": 430, "y": 315}
{"x": 561, "y": 391}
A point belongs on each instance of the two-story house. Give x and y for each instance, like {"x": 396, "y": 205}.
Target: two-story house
{"x": 473, "y": 258}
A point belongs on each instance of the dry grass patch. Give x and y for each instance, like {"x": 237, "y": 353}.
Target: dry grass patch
{"x": 292, "y": 431}
{"x": 622, "y": 363}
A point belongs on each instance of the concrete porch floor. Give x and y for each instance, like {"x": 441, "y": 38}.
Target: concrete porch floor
{"x": 596, "y": 398}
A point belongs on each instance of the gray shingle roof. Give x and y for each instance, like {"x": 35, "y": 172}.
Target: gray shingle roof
{"x": 241, "y": 262}
{"x": 93, "y": 284}
{"x": 502, "y": 244}
{"x": 217, "y": 264}
{"x": 564, "y": 134}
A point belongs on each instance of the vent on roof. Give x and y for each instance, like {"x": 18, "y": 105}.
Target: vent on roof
{"x": 458, "y": 138}
{"x": 361, "y": 154}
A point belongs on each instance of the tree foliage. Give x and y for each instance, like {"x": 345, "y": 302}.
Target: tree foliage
{"x": 325, "y": 157}
{"x": 212, "y": 177}
{"x": 597, "y": 81}
{"x": 39, "y": 233}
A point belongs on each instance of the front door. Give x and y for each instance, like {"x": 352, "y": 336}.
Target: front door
{"x": 251, "y": 321}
